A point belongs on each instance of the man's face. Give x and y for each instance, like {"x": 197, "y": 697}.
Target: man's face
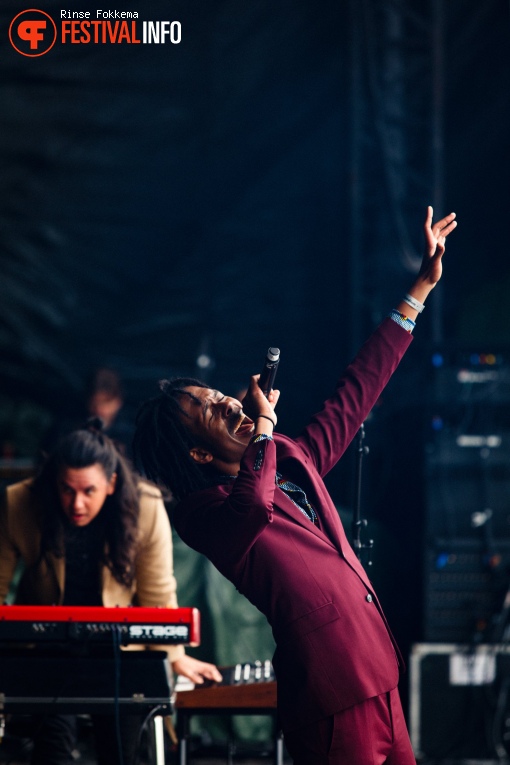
{"x": 219, "y": 426}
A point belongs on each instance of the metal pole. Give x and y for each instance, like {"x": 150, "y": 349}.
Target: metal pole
{"x": 159, "y": 740}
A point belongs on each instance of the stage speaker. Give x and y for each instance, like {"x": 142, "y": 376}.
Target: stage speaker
{"x": 468, "y": 485}
{"x": 465, "y": 587}
{"x": 459, "y": 702}
{"x": 467, "y": 533}
{"x": 471, "y": 378}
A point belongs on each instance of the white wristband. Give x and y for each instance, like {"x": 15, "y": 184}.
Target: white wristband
{"x": 410, "y": 300}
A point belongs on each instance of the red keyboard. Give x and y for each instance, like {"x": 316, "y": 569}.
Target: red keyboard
{"x": 96, "y": 623}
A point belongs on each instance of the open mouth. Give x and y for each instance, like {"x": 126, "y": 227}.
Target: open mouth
{"x": 243, "y": 425}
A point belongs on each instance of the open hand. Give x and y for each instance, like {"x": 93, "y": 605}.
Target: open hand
{"x": 435, "y": 238}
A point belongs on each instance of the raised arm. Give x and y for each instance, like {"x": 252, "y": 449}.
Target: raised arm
{"x": 332, "y": 429}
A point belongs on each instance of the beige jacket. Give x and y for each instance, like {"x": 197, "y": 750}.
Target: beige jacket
{"x": 42, "y": 582}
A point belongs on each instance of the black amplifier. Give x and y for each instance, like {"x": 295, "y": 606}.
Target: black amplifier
{"x": 465, "y": 588}
{"x": 468, "y": 484}
{"x": 34, "y": 681}
{"x": 471, "y": 377}
{"x": 460, "y": 703}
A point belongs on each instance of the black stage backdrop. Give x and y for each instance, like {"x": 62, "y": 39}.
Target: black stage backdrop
{"x": 165, "y": 203}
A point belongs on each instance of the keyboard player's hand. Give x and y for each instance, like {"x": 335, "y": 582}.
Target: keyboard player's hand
{"x": 195, "y": 670}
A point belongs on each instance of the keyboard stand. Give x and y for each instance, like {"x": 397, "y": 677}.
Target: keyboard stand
{"x": 248, "y": 699}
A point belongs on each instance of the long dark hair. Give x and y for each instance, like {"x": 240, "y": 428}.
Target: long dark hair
{"x": 79, "y": 449}
{"x": 162, "y": 442}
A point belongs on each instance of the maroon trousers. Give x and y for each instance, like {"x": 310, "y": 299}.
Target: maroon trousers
{"x": 371, "y": 733}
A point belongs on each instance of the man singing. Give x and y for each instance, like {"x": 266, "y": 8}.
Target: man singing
{"x": 254, "y": 502}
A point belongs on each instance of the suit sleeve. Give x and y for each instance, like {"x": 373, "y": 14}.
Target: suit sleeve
{"x": 332, "y": 429}
{"x": 155, "y": 580}
{"x": 224, "y": 526}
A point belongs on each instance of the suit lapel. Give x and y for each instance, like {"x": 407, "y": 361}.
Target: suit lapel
{"x": 331, "y": 529}
{"x": 293, "y": 462}
{"x": 329, "y": 518}
{"x": 289, "y": 508}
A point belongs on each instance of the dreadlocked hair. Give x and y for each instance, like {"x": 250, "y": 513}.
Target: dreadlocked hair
{"x": 162, "y": 442}
{"x": 80, "y": 449}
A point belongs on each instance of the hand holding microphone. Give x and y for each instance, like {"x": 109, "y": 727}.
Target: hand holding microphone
{"x": 268, "y": 374}
{"x": 261, "y": 399}
{"x": 265, "y": 383}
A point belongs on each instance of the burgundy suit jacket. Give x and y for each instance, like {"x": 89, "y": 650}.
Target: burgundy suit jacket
{"x": 333, "y": 645}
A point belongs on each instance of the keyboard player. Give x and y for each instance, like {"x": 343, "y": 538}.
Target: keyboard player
{"x": 89, "y": 532}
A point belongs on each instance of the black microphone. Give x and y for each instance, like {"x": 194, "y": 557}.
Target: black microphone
{"x": 266, "y": 380}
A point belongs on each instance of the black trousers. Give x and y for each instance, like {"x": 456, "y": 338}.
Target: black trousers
{"x": 55, "y": 738}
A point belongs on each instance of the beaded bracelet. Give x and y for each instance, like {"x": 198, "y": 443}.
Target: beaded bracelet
{"x": 404, "y": 321}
